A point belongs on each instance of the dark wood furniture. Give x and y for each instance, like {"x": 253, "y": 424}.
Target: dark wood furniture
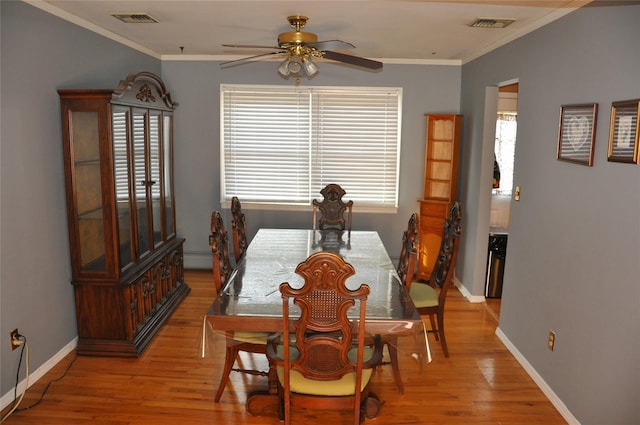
{"x": 126, "y": 261}
{"x": 251, "y": 300}
{"x": 219, "y": 244}
{"x": 406, "y": 271}
{"x": 316, "y": 365}
{"x": 332, "y": 209}
{"x": 238, "y": 229}
{"x": 430, "y": 298}
{"x": 235, "y": 342}
{"x": 442, "y": 157}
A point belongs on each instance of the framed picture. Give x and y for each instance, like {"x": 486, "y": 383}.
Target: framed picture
{"x": 623, "y": 132}
{"x": 576, "y": 134}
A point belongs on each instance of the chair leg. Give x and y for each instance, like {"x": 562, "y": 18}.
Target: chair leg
{"x": 434, "y": 328}
{"x": 287, "y": 409}
{"x": 440, "y": 332}
{"x": 229, "y": 359}
{"x": 393, "y": 355}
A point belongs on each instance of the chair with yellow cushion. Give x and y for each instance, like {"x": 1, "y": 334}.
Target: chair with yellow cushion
{"x": 406, "y": 270}
{"x": 325, "y": 364}
{"x": 235, "y": 342}
{"x": 430, "y": 298}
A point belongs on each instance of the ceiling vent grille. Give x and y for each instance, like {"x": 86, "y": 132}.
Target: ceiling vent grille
{"x": 491, "y": 23}
{"x": 135, "y": 18}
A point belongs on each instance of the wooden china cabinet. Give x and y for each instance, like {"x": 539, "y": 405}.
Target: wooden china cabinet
{"x": 442, "y": 157}
{"x": 126, "y": 260}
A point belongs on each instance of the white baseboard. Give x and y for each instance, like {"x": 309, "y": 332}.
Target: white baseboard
{"x": 197, "y": 260}
{"x": 34, "y": 376}
{"x": 465, "y": 292}
{"x": 546, "y": 389}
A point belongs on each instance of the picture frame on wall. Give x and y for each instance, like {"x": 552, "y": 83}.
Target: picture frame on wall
{"x": 623, "y": 131}
{"x": 576, "y": 135}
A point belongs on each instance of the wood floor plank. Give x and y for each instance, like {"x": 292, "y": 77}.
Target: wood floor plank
{"x": 171, "y": 384}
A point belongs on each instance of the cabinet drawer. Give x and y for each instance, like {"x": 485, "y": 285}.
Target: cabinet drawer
{"x": 432, "y": 224}
{"x": 433, "y": 208}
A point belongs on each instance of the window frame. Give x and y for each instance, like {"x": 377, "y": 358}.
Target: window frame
{"x": 391, "y": 154}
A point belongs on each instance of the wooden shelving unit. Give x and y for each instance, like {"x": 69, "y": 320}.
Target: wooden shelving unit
{"x": 441, "y": 166}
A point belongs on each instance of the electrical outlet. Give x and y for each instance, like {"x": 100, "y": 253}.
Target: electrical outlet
{"x": 552, "y": 340}
{"x": 15, "y": 341}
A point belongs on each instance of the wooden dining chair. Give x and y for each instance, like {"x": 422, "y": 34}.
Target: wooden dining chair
{"x": 325, "y": 364}
{"x": 406, "y": 270}
{"x": 219, "y": 243}
{"x": 235, "y": 342}
{"x": 332, "y": 209}
{"x": 428, "y": 298}
{"x": 238, "y": 229}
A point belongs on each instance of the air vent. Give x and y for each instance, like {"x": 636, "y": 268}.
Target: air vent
{"x": 135, "y": 18}
{"x": 491, "y": 23}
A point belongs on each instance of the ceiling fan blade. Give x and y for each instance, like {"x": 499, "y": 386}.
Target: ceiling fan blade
{"x": 250, "y": 46}
{"x": 352, "y": 60}
{"x": 249, "y": 59}
{"x": 331, "y": 45}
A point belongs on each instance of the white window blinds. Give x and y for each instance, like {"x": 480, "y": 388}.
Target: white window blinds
{"x": 281, "y": 145}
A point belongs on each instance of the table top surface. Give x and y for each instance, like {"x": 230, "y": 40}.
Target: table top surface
{"x": 251, "y": 296}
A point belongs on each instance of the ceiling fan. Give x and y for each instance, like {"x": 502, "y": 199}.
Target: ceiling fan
{"x": 300, "y": 48}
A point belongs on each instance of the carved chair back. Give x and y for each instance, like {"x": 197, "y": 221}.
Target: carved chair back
{"x": 332, "y": 209}
{"x": 442, "y": 274}
{"x": 408, "y": 252}
{"x": 238, "y": 229}
{"x": 219, "y": 243}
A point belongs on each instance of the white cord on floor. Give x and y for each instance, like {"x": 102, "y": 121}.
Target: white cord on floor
{"x": 26, "y": 385}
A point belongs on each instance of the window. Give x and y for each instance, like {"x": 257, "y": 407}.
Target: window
{"x": 281, "y": 145}
{"x": 506, "y": 128}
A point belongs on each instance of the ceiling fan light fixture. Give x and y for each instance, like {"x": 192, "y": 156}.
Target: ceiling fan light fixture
{"x": 294, "y": 65}
{"x": 309, "y": 66}
{"x": 283, "y": 69}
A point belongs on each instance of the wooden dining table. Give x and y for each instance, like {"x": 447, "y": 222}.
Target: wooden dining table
{"x": 251, "y": 301}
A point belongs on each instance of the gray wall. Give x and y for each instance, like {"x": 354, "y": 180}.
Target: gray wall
{"x": 41, "y": 53}
{"x": 195, "y": 85}
{"x": 574, "y": 238}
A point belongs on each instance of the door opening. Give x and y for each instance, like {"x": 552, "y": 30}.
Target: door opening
{"x": 504, "y": 154}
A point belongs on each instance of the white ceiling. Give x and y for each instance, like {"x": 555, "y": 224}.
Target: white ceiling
{"x": 392, "y": 31}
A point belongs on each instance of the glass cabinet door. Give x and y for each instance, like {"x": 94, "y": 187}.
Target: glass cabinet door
{"x": 85, "y": 147}
{"x": 120, "y": 119}
{"x": 167, "y": 149}
{"x": 142, "y": 170}
{"x": 155, "y": 182}
{"x": 141, "y": 185}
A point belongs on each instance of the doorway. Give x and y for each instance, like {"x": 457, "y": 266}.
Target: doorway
{"x": 503, "y": 163}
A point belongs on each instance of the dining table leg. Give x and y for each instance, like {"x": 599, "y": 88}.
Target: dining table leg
{"x": 265, "y": 403}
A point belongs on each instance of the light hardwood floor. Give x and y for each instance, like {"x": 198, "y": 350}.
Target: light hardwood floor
{"x": 170, "y": 384}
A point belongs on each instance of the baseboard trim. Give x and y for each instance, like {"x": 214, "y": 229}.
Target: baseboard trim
{"x": 34, "y": 376}
{"x": 197, "y": 260}
{"x": 544, "y": 387}
{"x": 465, "y": 292}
